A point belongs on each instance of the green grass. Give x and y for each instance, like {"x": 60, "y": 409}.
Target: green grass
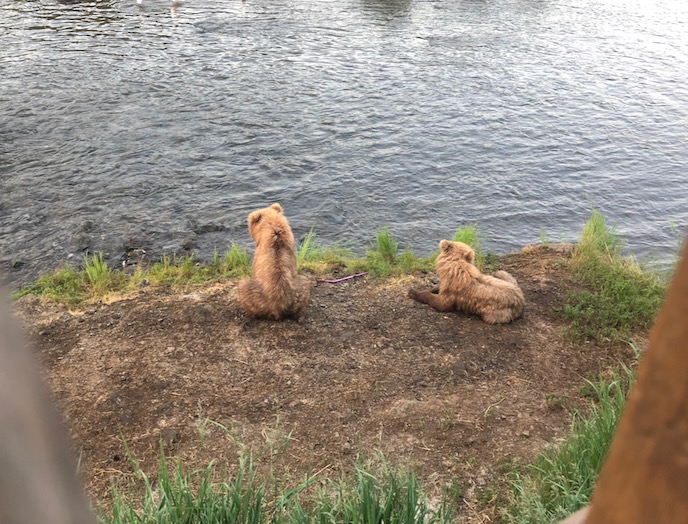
{"x": 94, "y": 280}
{"x": 544, "y": 239}
{"x": 66, "y": 285}
{"x": 181, "y": 496}
{"x": 619, "y": 297}
{"x": 235, "y": 263}
{"x": 98, "y": 274}
{"x": 386, "y": 246}
{"x": 679, "y": 235}
{"x": 320, "y": 260}
{"x": 381, "y": 260}
{"x": 561, "y": 480}
{"x": 74, "y": 287}
{"x": 384, "y": 259}
{"x": 174, "y": 270}
{"x": 469, "y": 235}
{"x": 307, "y": 250}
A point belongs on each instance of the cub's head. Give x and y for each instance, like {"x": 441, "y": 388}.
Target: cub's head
{"x": 268, "y": 215}
{"x": 457, "y": 251}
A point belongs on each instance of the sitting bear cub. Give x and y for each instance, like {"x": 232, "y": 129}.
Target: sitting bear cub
{"x": 276, "y": 291}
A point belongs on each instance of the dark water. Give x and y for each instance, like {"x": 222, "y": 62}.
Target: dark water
{"x": 161, "y": 126}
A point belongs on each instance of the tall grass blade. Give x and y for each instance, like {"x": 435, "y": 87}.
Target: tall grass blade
{"x": 305, "y": 250}
{"x": 387, "y": 246}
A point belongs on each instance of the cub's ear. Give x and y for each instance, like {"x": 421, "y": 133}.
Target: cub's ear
{"x": 470, "y": 255}
{"x": 254, "y": 218}
{"x": 445, "y": 246}
{"x": 277, "y": 207}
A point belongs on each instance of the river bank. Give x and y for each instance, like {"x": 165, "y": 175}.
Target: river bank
{"x": 367, "y": 370}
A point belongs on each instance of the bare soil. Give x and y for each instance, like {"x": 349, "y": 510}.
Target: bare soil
{"x": 365, "y": 370}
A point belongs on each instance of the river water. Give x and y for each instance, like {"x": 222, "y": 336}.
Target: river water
{"x": 160, "y": 126}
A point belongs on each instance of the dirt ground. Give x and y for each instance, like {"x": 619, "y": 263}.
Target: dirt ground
{"x": 365, "y": 370}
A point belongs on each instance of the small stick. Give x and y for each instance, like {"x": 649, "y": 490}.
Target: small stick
{"x": 342, "y": 279}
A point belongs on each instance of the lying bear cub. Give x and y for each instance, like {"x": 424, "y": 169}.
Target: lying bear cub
{"x": 497, "y": 299}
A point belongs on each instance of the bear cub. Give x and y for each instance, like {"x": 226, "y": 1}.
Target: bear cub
{"x": 496, "y": 299}
{"x": 276, "y": 291}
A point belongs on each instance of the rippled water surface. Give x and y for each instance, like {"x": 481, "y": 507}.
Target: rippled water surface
{"x": 161, "y": 126}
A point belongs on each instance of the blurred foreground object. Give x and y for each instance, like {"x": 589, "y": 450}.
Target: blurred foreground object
{"x": 38, "y": 482}
{"x": 579, "y": 517}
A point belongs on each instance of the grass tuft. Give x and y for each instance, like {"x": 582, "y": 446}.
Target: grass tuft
{"x": 469, "y": 235}
{"x": 307, "y": 248}
{"x": 174, "y": 270}
{"x": 74, "y": 287}
{"x": 178, "y": 495}
{"x": 619, "y": 298}
{"x": 544, "y": 239}
{"x": 237, "y": 263}
{"x": 65, "y": 286}
{"x": 386, "y": 246}
{"x": 384, "y": 260}
{"x": 98, "y": 274}
{"x": 321, "y": 260}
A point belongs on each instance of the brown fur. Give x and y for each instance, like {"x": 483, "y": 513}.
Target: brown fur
{"x": 497, "y": 299}
{"x": 276, "y": 291}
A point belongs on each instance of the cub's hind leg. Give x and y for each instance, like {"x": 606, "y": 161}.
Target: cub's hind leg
{"x": 302, "y": 295}
{"x": 253, "y": 299}
{"x": 503, "y": 275}
{"x": 498, "y": 316}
